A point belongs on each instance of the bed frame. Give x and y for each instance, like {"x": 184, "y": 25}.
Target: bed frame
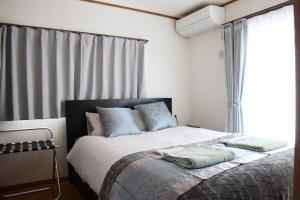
{"x": 76, "y": 127}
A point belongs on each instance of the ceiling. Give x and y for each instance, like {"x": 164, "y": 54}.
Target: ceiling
{"x": 175, "y": 8}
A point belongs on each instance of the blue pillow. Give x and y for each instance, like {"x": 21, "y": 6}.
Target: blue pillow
{"x": 156, "y": 116}
{"x": 117, "y": 122}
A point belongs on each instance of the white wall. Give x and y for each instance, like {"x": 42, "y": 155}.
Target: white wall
{"x": 207, "y": 89}
{"x": 243, "y": 8}
{"x": 167, "y": 65}
{"x": 207, "y": 107}
{"x": 168, "y": 60}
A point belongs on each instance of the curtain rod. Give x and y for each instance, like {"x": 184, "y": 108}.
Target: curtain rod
{"x": 78, "y": 32}
{"x": 264, "y": 11}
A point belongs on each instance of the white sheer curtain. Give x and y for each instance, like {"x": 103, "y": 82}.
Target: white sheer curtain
{"x": 269, "y": 87}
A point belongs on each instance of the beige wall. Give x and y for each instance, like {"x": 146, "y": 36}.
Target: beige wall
{"x": 167, "y": 65}
{"x": 207, "y": 88}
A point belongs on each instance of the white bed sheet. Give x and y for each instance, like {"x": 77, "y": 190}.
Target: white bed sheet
{"x": 92, "y": 156}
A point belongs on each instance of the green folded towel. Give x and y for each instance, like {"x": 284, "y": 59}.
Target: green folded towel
{"x": 255, "y": 144}
{"x": 198, "y": 156}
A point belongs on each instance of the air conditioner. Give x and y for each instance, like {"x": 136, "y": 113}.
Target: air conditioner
{"x": 203, "y": 20}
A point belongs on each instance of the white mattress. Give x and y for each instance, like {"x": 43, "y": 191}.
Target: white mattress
{"x": 92, "y": 156}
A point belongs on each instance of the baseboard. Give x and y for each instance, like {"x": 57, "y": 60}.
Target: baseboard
{"x": 30, "y": 185}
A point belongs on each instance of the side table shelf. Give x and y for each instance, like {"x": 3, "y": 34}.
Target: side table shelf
{"x": 20, "y": 147}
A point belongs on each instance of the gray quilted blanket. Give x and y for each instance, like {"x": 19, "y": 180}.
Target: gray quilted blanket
{"x": 268, "y": 178}
{"x": 145, "y": 176}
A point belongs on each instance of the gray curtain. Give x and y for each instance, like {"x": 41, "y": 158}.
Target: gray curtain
{"x": 235, "y": 59}
{"x": 41, "y": 68}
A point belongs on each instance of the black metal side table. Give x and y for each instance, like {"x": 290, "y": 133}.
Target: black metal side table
{"x": 19, "y": 147}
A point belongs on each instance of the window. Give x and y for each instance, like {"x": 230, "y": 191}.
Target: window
{"x": 269, "y": 87}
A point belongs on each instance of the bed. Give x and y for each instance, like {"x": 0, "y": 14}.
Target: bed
{"x": 76, "y": 127}
{"x": 96, "y": 161}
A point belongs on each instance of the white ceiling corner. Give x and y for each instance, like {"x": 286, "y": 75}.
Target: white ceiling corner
{"x": 175, "y": 8}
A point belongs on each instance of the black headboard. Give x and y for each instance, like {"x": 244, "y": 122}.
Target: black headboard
{"x": 75, "y": 113}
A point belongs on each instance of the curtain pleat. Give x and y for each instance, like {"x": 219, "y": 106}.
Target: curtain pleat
{"x": 228, "y": 37}
{"x": 3, "y": 71}
{"x": 235, "y": 60}
{"x": 45, "y": 75}
{"x": 103, "y": 74}
{"x": 140, "y": 77}
{"x": 40, "y": 69}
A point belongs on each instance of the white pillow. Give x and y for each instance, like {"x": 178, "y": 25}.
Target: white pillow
{"x": 95, "y": 127}
{"x": 138, "y": 120}
{"x": 94, "y": 124}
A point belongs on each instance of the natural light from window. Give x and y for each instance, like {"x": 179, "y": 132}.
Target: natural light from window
{"x": 269, "y": 87}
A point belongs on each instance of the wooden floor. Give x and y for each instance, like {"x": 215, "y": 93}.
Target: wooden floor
{"x": 68, "y": 191}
